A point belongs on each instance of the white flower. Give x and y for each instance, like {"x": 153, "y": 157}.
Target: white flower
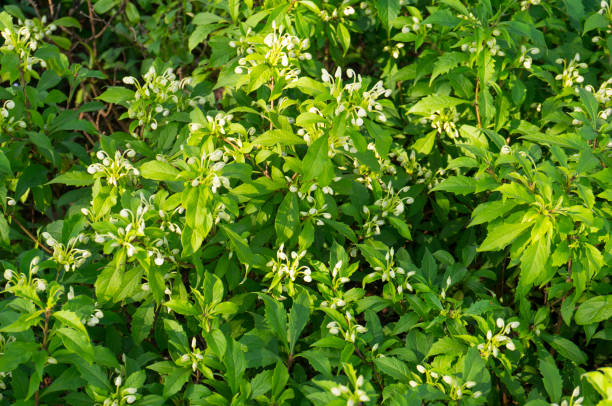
{"x": 130, "y": 399}
{"x": 8, "y": 274}
{"x": 41, "y": 285}
{"x": 499, "y": 322}
{"x": 420, "y": 368}
{"x": 336, "y": 391}
{"x": 118, "y": 381}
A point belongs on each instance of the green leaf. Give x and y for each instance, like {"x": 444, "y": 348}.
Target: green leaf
{"x": 73, "y": 178}
{"x": 116, "y": 95}
{"x": 551, "y": 377}
{"x": 394, "y": 368}
{"x": 485, "y": 212}
{"x": 425, "y": 144}
{"x": 316, "y": 159}
{"x": 594, "y": 310}
{"x": 235, "y": 364}
{"x": 590, "y": 103}
{"x": 432, "y": 103}
{"x": 502, "y": 234}
{"x": 275, "y": 137}
{"x": 594, "y": 22}
{"x": 175, "y": 381}
{"x": 298, "y": 318}
{"x": 103, "y": 6}
{"x": 446, "y": 62}
{"x": 461, "y": 185}
{"x": 402, "y": 228}
{"x": 287, "y": 217}
{"x": 259, "y": 76}
{"x": 276, "y": 317}
{"x": 159, "y": 170}
{"x": 566, "y": 348}
{"x": 77, "y": 342}
{"x": 142, "y": 322}
{"x": 387, "y": 12}
{"x": 67, "y": 22}
{"x": 344, "y": 36}
{"x": 206, "y": 18}
{"x": 446, "y": 345}
{"x": 533, "y": 263}
{"x": 70, "y": 319}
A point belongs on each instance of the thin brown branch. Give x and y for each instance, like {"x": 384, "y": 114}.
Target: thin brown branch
{"x": 31, "y": 236}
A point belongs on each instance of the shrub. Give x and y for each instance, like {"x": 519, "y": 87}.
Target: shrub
{"x": 305, "y": 202}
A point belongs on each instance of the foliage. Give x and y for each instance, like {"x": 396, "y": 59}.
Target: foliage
{"x": 305, "y": 202}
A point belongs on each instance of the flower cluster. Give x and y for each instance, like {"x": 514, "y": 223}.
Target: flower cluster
{"x": 25, "y": 38}
{"x": 575, "y": 399}
{"x": 444, "y": 122}
{"x": 127, "y": 229}
{"x": 395, "y": 276}
{"x": 334, "y": 294}
{"x": 93, "y": 318}
{"x": 69, "y": 257}
{"x": 218, "y": 125}
{"x": 8, "y": 123}
{"x": 392, "y": 202}
{"x": 446, "y": 383}
{"x": 604, "y": 93}
{"x": 571, "y": 71}
{"x": 353, "y": 396}
{"x": 525, "y": 4}
{"x": 20, "y": 281}
{"x": 153, "y": 95}
{"x": 494, "y": 342}
{"x": 372, "y": 223}
{"x": 287, "y": 267}
{"x": 348, "y": 328}
{"x": 278, "y": 50}
{"x": 206, "y": 169}
{"x": 340, "y": 13}
{"x": 113, "y": 169}
{"x": 526, "y": 59}
{"x": 351, "y": 97}
{"x": 122, "y": 395}
{"x": 318, "y": 209}
{"x": 194, "y": 359}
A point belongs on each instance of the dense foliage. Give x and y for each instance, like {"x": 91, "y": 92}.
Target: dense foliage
{"x": 272, "y": 202}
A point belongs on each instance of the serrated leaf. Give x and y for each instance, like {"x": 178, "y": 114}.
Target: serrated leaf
{"x": 394, "y": 368}
{"x": 387, "y": 11}
{"x": 116, "y": 95}
{"x": 159, "y": 170}
{"x": 298, "y": 318}
{"x": 460, "y": 185}
{"x": 432, "y": 103}
{"x": 502, "y": 234}
{"x": 74, "y": 178}
{"x": 276, "y": 137}
{"x": 594, "y": 310}
{"x": 287, "y": 217}
{"x": 551, "y": 377}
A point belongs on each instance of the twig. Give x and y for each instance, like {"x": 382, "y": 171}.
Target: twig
{"x": 476, "y": 105}
{"x": 93, "y": 28}
{"x": 29, "y": 234}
